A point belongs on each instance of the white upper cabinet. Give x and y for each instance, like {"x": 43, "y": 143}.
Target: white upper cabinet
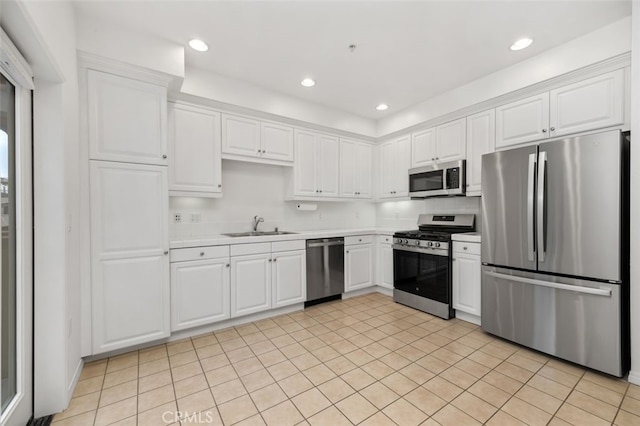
{"x": 277, "y": 142}
{"x": 247, "y": 139}
{"x": 423, "y": 147}
{"x": 316, "y": 165}
{"x": 328, "y": 172}
{"x": 355, "y": 169}
{"x": 589, "y": 104}
{"x": 240, "y": 136}
{"x": 127, "y": 119}
{"x": 395, "y": 159}
{"x": 129, "y": 254}
{"x": 481, "y": 139}
{"x": 195, "y": 162}
{"x": 451, "y": 141}
{"x": 439, "y": 144}
{"x": 522, "y": 121}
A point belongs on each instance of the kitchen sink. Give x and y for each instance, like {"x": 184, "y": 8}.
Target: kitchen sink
{"x": 257, "y": 233}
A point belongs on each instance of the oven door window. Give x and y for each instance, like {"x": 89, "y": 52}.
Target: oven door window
{"x": 426, "y": 181}
{"x": 422, "y": 274}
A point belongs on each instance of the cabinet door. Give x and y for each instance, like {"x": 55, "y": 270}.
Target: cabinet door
{"x": 199, "y": 293}
{"x": 289, "y": 278}
{"x": 590, "y": 104}
{"x": 387, "y": 169}
{"x": 385, "y": 260}
{"x": 423, "y": 147}
{"x": 129, "y": 254}
{"x": 195, "y": 161}
{"x": 402, "y": 165}
{"x": 240, "y": 136}
{"x": 304, "y": 168}
{"x": 127, "y": 119}
{"x": 277, "y": 142}
{"x": 481, "y": 139}
{"x": 348, "y": 172}
{"x": 363, "y": 162}
{"x": 522, "y": 121}
{"x": 250, "y": 284}
{"x": 466, "y": 283}
{"x": 358, "y": 262}
{"x": 328, "y": 169}
{"x": 451, "y": 140}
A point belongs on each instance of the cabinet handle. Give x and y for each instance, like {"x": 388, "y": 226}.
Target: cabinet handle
{"x": 453, "y": 260}
{"x": 166, "y": 252}
{"x": 359, "y": 239}
{"x": 347, "y": 251}
{"x": 219, "y": 185}
{"x": 437, "y": 158}
{"x": 164, "y": 156}
{"x": 201, "y": 253}
{"x": 544, "y": 130}
{"x": 270, "y": 260}
{"x": 275, "y": 259}
{"x": 228, "y": 265}
{"x": 552, "y": 129}
{"x": 464, "y": 248}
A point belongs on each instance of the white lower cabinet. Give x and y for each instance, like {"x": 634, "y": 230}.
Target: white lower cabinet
{"x": 384, "y": 254}
{"x": 199, "y": 292}
{"x": 250, "y": 284}
{"x": 358, "y": 264}
{"x": 466, "y": 280}
{"x": 289, "y": 278}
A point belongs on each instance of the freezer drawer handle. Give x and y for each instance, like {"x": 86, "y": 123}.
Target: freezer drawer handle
{"x": 576, "y": 288}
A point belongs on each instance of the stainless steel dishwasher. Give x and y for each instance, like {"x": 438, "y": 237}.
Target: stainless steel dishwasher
{"x": 325, "y": 269}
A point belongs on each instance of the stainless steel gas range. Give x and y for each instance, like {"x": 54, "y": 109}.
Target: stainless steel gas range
{"x": 422, "y": 262}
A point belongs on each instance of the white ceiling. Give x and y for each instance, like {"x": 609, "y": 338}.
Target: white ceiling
{"x": 406, "y": 52}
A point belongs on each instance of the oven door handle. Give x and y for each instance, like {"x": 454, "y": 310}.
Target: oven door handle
{"x": 428, "y": 251}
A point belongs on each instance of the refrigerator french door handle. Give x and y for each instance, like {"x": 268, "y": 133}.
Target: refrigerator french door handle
{"x": 559, "y": 286}
{"x": 541, "y": 205}
{"x": 531, "y": 242}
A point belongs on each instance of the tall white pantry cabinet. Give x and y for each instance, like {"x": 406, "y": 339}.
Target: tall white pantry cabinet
{"x": 126, "y": 121}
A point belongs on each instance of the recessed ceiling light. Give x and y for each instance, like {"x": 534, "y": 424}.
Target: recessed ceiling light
{"x": 382, "y": 107}
{"x": 521, "y": 44}
{"x": 198, "y": 45}
{"x": 308, "y": 82}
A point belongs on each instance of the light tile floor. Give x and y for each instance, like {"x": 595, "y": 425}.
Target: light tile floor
{"x": 365, "y": 360}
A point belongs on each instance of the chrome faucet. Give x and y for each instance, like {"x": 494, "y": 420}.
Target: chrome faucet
{"x": 256, "y": 222}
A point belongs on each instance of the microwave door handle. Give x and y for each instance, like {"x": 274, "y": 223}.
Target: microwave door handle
{"x": 542, "y": 205}
{"x": 531, "y": 242}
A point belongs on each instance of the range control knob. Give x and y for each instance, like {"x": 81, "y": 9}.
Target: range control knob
{"x": 406, "y": 241}
{"x": 430, "y": 244}
{"x": 417, "y": 242}
{"x": 437, "y": 244}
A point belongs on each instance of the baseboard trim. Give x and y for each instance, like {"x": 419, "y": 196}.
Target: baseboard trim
{"x": 634, "y": 377}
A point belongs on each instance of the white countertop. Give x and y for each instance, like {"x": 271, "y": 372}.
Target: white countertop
{"x": 217, "y": 240}
{"x": 467, "y": 237}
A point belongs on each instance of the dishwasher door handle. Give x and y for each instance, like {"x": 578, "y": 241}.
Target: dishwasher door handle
{"x": 328, "y": 244}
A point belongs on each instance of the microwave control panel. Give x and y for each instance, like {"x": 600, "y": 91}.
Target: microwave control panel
{"x": 453, "y": 178}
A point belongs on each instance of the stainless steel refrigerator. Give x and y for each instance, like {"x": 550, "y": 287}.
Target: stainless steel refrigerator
{"x": 555, "y": 248}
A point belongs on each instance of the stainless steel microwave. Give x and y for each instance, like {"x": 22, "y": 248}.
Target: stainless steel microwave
{"x": 438, "y": 180}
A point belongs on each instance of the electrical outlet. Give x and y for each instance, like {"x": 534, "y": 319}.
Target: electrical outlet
{"x": 177, "y": 218}
{"x": 195, "y": 217}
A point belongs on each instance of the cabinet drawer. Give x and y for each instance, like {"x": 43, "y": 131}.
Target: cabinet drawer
{"x": 385, "y": 239}
{"x": 255, "y": 248}
{"x": 198, "y": 253}
{"x": 467, "y": 248}
{"x": 288, "y": 245}
{"x": 358, "y": 239}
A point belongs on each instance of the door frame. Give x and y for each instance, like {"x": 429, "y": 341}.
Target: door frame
{"x": 18, "y": 72}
